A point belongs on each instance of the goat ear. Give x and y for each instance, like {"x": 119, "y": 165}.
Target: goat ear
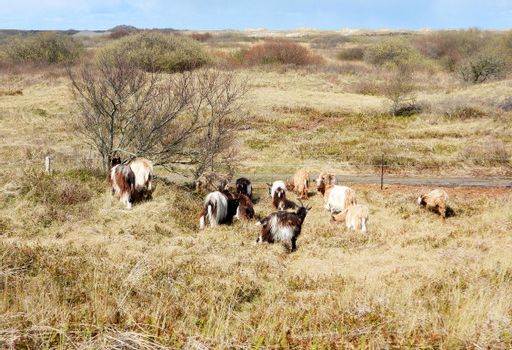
{"x": 269, "y": 185}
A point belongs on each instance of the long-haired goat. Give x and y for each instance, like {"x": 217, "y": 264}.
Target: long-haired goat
{"x": 143, "y": 170}
{"x": 355, "y": 217}
{"x": 299, "y": 183}
{"x": 243, "y": 186}
{"x": 436, "y": 200}
{"x": 277, "y": 191}
{"x": 121, "y": 179}
{"x": 215, "y": 209}
{"x": 222, "y": 207}
{"x": 336, "y": 197}
{"x": 282, "y": 226}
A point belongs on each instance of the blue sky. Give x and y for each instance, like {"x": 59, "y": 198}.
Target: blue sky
{"x": 242, "y": 14}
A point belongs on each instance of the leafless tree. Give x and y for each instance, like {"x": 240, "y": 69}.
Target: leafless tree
{"x": 399, "y": 87}
{"x": 182, "y": 118}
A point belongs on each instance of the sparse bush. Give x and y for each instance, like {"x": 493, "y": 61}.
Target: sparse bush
{"x": 158, "y": 52}
{"x": 351, "y": 54}
{"x": 398, "y": 89}
{"x": 47, "y": 48}
{"x": 191, "y": 115}
{"x": 329, "y": 41}
{"x": 279, "y": 52}
{"x": 481, "y": 68}
{"x": 390, "y": 51}
{"x": 486, "y": 152}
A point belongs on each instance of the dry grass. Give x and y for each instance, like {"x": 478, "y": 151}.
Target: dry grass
{"x": 79, "y": 271}
{"x": 157, "y": 282}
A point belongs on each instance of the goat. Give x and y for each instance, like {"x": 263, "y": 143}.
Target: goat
{"x": 210, "y": 181}
{"x": 355, "y": 217}
{"x": 215, "y": 209}
{"x": 143, "y": 170}
{"x": 243, "y": 186}
{"x": 336, "y": 197}
{"x": 436, "y": 200}
{"x": 281, "y": 226}
{"x": 245, "y": 208}
{"x": 222, "y": 207}
{"x": 122, "y": 181}
{"x": 299, "y": 183}
{"x": 277, "y": 192}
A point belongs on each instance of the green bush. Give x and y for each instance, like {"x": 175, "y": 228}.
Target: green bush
{"x": 395, "y": 51}
{"x": 481, "y": 68}
{"x": 159, "y": 52}
{"x": 49, "y": 48}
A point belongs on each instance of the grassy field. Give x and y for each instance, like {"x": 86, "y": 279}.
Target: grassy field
{"x": 80, "y": 272}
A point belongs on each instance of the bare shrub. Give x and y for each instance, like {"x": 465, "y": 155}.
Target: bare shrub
{"x": 44, "y": 48}
{"x": 279, "y": 52}
{"x": 185, "y": 118}
{"x": 158, "y": 52}
{"x": 450, "y": 47}
{"x": 481, "y": 68}
{"x": 486, "y": 152}
{"x": 398, "y": 89}
{"x": 351, "y": 54}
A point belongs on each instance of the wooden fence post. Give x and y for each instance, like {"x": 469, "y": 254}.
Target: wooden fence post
{"x": 382, "y": 172}
{"x": 48, "y": 165}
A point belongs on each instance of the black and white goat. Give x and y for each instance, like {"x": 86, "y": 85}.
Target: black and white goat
{"x": 222, "y": 207}
{"x": 282, "y": 226}
{"x": 243, "y": 186}
{"x": 277, "y": 191}
{"x": 215, "y": 209}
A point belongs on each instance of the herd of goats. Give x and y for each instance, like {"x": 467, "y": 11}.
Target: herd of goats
{"x": 132, "y": 181}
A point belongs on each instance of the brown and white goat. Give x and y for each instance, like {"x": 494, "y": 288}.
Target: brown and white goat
{"x": 355, "y": 217}
{"x": 277, "y": 191}
{"x": 282, "y": 226}
{"x": 336, "y": 197}
{"x": 121, "y": 179}
{"x": 245, "y": 209}
{"x": 143, "y": 170}
{"x": 435, "y": 200}
{"x": 243, "y": 186}
{"x": 299, "y": 184}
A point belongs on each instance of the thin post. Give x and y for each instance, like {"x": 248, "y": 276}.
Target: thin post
{"x": 48, "y": 165}
{"x": 382, "y": 172}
